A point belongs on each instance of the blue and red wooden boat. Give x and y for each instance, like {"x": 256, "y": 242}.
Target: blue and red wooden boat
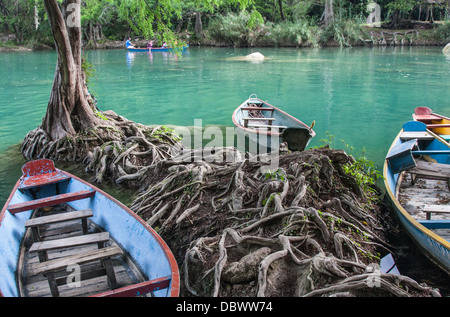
{"x": 417, "y": 180}
{"x": 154, "y": 49}
{"x": 61, "y": 236}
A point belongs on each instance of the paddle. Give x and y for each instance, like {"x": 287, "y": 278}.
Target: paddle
{"x": 297, "y": 138}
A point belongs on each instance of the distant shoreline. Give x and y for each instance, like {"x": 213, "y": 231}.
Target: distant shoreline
{"x": 380, "y": 37}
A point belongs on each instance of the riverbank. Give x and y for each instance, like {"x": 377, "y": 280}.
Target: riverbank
{"x": 366, "y": 36}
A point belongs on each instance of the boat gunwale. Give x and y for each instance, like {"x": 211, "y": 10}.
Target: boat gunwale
{"x": 5, "y": 208}
{"x": 175, "y": 276}
{"x": 266, "y": 132}
{"x": 399, "y": 207}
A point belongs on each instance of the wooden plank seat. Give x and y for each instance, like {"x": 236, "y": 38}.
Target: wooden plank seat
{"x": 49, "y": 267}
{"x": 257, "y": 109}
{"x": 34, "y": 223}
{"x": 267, "y": 126}
{"x": 425, "y": 118}
{"x": 420, "y": 135}
{"x": 50, "y": 201}
{"x": 247, "y": 119}
{"x": 43, "y": 246}
{"x": 430, "y": 170}
{"x": 259, "y": 119}
{"x": 436, "y": 209}
{"x": 437, "y": 125}
{"x": 42, "y": 179}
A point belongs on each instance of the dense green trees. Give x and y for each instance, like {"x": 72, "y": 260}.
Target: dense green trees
{"x": 26, "y": 20}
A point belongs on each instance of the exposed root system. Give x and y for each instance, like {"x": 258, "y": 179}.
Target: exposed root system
{"x": 240, "y": 225}
{"x": 303, "y": 229}
{"x": 114, "y": 151}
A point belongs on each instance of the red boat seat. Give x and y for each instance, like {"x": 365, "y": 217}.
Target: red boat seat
{"x": 50, "y": 201}
{"x": 40, "y": 172}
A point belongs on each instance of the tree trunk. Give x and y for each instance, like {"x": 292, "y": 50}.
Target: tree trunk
{"x": 328, "y": 15}
{"x": 69, "y": 109}
{"x": 280, "y": 5}
{"x": 198, "y": 26}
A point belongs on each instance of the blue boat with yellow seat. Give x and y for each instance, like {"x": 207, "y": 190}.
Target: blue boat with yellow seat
{"x": 417, "y": 180}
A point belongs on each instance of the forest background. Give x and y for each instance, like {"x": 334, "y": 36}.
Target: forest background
{"x": 108, "y": 23}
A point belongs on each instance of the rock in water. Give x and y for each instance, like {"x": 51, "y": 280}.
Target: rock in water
{"x": 446, "y": 49}
{"x": 255, "y": 57}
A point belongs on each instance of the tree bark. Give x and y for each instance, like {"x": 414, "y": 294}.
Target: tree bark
{"x": 328, "y": 15}
{"x": 69, "y": 109}
{"x": 198, "y": 25}
{"x": 280, "y": 5}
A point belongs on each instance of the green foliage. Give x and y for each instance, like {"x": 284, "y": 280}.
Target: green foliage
{"x": 231, "y": 29}
{"x": 343, "y": 31}
{"x": 162, "y": 133}
{"x": 363, "y": 169}
{"x": 442, "y": 32}
{"x": 279, "y": 174}
{"x": 404, "y": 6}
{"x": 296, "y": 33}
{"x": 364, "y": 172}
{"x": 100, "y": 115}
{"x": 153, "y": 19}
{"x": 88, "y": 69}
{"x": 235, "y": 22}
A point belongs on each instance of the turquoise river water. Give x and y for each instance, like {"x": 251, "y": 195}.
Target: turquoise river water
{"x": 360, "y": 95}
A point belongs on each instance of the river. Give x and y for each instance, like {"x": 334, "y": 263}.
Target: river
{"x": 361, "y": 96}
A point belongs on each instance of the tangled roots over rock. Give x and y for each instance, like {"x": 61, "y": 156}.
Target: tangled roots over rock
{"x": 120, "y": 150}
{"x": 245, "y": 230}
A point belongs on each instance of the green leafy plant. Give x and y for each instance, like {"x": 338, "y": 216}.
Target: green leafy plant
{"x": 279, "y": 174}
{"x": 364, "y": 172}
{"x": 362, "y": 169}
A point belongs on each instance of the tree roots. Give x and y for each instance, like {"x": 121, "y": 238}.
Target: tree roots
{"x": 119, "y": 150}
{"x": 238, "y": 226}
{"x": 243, "y": 230}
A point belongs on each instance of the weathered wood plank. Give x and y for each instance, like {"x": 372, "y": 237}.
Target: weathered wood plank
{"x": 66, "y": 216}
{"x": 436, "y": 209}
{"x": 50, "y": 201}
{"x": 267, "y": 126}
{"x": 421, "y": 135}
{"x": 260, "y": 119}
{"x": 430, "y": 170}
{"x": 69, "y": 242}
{"x": 56, "y": 264}
{"x": 44, "y": 246}
{"x": 35, "y": 223}
{"x": 257, "y": 108}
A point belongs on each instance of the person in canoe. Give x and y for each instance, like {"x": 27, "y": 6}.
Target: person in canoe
{"x": 128, "y": 43}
